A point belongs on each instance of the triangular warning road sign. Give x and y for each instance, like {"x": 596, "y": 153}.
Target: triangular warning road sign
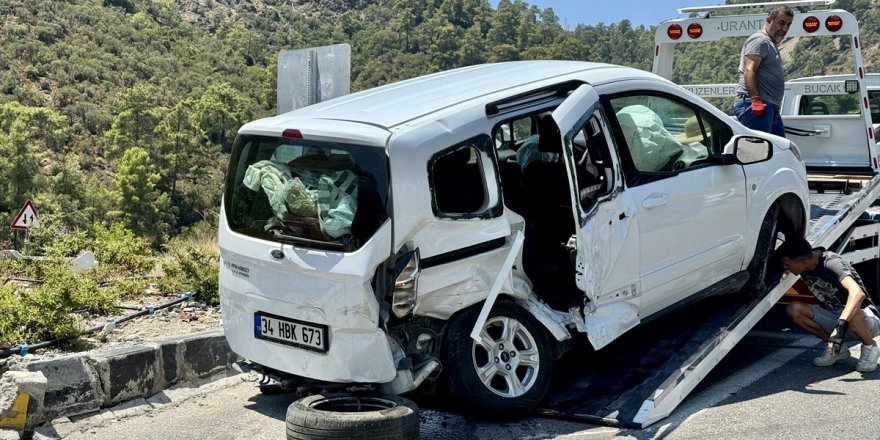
{"x": 27, "y": 217}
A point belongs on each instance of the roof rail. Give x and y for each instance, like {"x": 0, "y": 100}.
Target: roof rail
{"x": 794, "y": 3}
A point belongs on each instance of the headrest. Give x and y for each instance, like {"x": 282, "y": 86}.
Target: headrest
{"x": 549, "y": 141}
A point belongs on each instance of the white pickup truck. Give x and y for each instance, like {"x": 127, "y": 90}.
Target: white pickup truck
{"x": 480, "y": 222}
{"x": 829, "y": 122}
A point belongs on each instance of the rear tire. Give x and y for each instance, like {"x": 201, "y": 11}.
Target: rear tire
{"x": 325, "y": 416}
{"x": 508, "y": 372}
{"x": 759, "y": 267}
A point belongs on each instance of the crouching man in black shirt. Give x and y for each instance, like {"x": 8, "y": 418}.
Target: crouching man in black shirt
{"x": 842, "y": 305}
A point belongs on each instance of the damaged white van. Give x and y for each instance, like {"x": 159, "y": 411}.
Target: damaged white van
{"x": 481, "y": 221}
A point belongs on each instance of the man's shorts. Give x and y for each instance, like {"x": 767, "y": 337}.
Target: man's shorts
{"x": 828, "y": 320}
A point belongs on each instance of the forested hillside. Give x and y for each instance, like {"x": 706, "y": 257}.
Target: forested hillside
{"x": 122, "y": 110}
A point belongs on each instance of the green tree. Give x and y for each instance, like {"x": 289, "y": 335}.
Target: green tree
{"x": 25, "y": 132}
{"x": 177, "y": 138}
{"x": 139, "y": 205}
{"x": 220, "y": 112}
{"x": 137, "y": 116}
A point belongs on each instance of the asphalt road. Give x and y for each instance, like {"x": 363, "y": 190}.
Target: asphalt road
{"x": 765, "y": 388}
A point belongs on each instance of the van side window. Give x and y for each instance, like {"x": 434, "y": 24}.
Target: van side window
{"x": 664, "y": 136}
{"x": 457, "y": 181}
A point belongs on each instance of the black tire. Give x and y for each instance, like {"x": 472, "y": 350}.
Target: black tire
{"x": 759, "y": 267}
{"x": 332, "y": 416}
{"x": 508, "y": 387}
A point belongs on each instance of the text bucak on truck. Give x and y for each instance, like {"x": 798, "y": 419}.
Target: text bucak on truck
{"x": 466, "y": 228}
{"x": 834, "y": 119}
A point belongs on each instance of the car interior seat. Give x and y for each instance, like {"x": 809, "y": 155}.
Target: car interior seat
{"x": 549, "y": 221}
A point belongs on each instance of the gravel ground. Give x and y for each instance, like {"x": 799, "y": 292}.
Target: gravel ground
{"x": 179, "y": 319}
{"x": 182, "y": 318}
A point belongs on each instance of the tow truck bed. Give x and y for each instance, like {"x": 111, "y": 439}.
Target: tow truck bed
{"x": 642, "y": 377}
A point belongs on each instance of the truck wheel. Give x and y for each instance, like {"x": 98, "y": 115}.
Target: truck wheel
{"x": 759, "y": 267}
{"x": 508, "y": 372}
{"x": 324, "y": 416}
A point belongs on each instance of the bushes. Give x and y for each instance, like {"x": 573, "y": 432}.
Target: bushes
{"x": 45, "y": 312}
{"x": 53, "y": 309}
{"x": 195, "y": 270}
{"x": 119, "y": 249}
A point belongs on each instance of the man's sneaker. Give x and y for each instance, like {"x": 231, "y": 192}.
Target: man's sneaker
{"x": 868, "y": 359}
{"x": 827, "y": 359}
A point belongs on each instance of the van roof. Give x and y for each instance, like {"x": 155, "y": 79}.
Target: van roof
{"x": 394, "y": 104}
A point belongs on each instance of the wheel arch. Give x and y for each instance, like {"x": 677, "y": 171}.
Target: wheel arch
{"x": 792, "y": 214}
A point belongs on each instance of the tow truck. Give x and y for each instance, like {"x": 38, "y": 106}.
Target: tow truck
{"x": 839, "y": 147}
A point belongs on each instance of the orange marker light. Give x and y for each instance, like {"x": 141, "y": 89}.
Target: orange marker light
{"x": 811, "y": 24}
{"x": 833, "y": 23}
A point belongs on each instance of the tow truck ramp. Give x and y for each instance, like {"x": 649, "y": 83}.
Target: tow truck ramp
{"x": 642, "y": 377}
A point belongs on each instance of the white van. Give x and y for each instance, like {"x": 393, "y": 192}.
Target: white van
{"x": 481, "y": 221}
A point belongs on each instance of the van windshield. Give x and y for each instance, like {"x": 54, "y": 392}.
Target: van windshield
{"x": 306, "y": 193}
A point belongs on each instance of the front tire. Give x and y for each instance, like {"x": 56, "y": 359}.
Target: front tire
{"x": 508, "y": 372}
{"x": 759, "y": 267}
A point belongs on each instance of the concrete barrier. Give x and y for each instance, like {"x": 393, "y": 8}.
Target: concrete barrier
{"x": 88, "y": 382}
{"x": 21, "y": 399}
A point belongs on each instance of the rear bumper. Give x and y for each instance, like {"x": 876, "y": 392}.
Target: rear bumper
{"x": 359, "y": 354}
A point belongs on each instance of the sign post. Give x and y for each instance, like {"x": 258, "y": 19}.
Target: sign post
{"x": 26, "y": 219}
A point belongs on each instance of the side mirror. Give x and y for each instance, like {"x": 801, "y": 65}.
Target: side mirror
{"x": 748, "y": 150}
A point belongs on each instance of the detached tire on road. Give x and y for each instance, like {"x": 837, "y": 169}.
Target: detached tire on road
{"x": 331, "y": 416}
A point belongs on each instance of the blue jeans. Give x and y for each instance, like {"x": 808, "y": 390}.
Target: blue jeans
{"x": 771, "y": 122}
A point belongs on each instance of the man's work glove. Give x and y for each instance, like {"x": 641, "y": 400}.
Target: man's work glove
{"x": 837, "y": 335}
{"x": 757, "y": 106}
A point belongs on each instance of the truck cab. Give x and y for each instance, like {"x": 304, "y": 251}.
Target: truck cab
{"x": 824, "y": 111}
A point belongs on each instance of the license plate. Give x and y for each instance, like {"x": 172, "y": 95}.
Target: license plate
{"x": 300, "y": 334}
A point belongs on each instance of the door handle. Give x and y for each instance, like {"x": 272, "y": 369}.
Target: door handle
{"x": 655, "y": 200}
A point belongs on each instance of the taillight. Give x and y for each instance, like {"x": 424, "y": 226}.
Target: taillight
{"x": 403, "y": 299}
{"x": 674, "y": 31}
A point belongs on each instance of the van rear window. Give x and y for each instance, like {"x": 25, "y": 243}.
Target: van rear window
{"x": 839, "y": 105}
{"x": 310, "y": 194}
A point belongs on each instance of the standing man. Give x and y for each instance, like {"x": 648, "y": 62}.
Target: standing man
{"x": 761, "y": 78}
{"x": 842, "y": 303}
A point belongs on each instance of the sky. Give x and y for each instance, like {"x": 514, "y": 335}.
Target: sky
{"x": 638, "y": 12}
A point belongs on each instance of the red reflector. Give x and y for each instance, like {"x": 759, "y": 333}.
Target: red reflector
{"x": 833, "y": 23}
{"x": 875, "y": 162}
{"x": 656, "y": 51}
{"x": 866, "y": 102}
{"x": 292, "y": 133}
{"x": 674, "y": 31}
{"x": 695, "y": 30}
{"x": 861, "y": 72}
{"x": 856, "y": 41}
{"x": 811, "y": 24}
{"x": 871, "y": 135}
